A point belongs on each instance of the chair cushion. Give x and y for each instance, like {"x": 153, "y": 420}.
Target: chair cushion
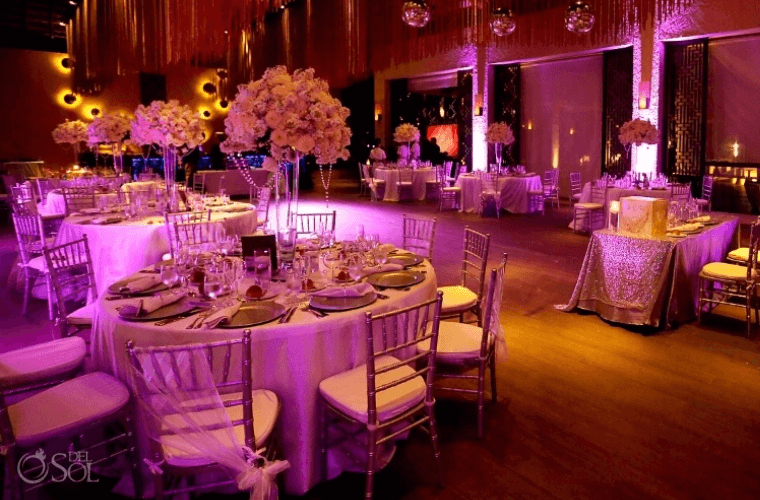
{"x": 726, "y": 271}
{"x": 347, "y": 391}
{"x": 535, "y": 192}
{"x": 82, "y": 316}
{"x": 577, "y": 196}
{"x": 589, "y": 206}
{"x": 38, "y": 263}
{"x": 404, "y": 183}
{"x": 740, "y": 254}
{"x": 266, "y": 408}
{"x": 41, "y": 362}
{"x": 457, "y": 342}
{"x": 61, "y": 410}
{"x": 701, "y": 202}
{"x": 452, "y": 189}
{"x": 457, "y": 299}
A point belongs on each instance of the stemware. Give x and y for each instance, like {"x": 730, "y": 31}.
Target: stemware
{"x": 169, "y": 275}
{"x": 263, "y": 267}
{"x": 213, "y": 285}
{"x": 332, "y": 261}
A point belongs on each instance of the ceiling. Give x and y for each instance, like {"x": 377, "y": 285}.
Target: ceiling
{"x": 35, "y": 24}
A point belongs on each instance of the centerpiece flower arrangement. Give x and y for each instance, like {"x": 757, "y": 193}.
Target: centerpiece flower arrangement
{"x": 170, "y": 126}
{"x": 638, "y": 132}
{"x": 499, "y": 134}
{"x": 406, "y": 132}
{"x": 291, "y": 116}
{"x": 113, "y": 129}
{"x": 72, "y": 133}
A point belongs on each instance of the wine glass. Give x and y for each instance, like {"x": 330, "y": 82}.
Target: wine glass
{"x": 263, "y": 267}
{"x": 169, "y": 275}
{"x": 355, "y": 267}
{"x": 381, "y": 255}
{"x": 214, "y": 283}
{"x": 332, "y": 261}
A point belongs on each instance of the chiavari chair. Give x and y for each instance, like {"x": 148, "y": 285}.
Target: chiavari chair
{"x": 393, "y": 389}
{"x": 680, "y": 192}
{"x": 30, "y": 235}
{"x": 705, "y": 202}
{"x": 173, "y": 218}
{"x": 23, "y": 200}
{"x": 467, "y": 296}
{"x": 738, "y": 283}
{"x": 197, "y": 233}
{"x": 253, "y": 414}
{"x": 446, "y": 193}
{"x": 199, "y": 183}
{"x": 593, "y": 211}
{"x": 462, "y": 347}
{"x": 419, "y": 235}
{"x": 307, "y": 224}
{"x": 78, "y": 198}
{"x": 364, "y": 179}
{"x": 576, "y": 187}
{"x": 44, "y": 186}
{"x": 550, "y": 185}
{"x": 405, "y": 185}
{"x": 73, "y": 278}
{"x": 41, "y": 365}
{"x": 489, "y": 192}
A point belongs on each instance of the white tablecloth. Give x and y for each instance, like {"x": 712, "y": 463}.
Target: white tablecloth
{"x": 234, "y": 182}
{"x": 55, "y": 204}
{"x": 419, "y": 181}
{"x": 121, "y": 249}
{"x": 290, "y": 359}
{"x": 614, "y": 194}
{"x": 141, "y": 185}
{"x": 514, "y": 192}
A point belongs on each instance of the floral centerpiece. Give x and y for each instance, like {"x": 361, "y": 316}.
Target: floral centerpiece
{"x": 499, "y": 134}
{"x": 638, "y": 132}
{"x": 406, "y": 132}
{"x": 292, "y": 116}
{"x": 111, "y": 129}
{"x": 169, "y": 126}
{"x": 72, "y": 133}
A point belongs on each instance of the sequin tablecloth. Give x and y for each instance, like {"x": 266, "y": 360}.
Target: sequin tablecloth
{"x": 648, "y": 281}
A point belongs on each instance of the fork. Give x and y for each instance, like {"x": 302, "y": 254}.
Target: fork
{"x": 202, "y": 316}
{"x": 304, "y": 306}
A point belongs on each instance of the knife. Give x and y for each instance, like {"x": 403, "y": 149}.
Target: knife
{"x": 287, "y": 315}
{"x": 184, "y": 315}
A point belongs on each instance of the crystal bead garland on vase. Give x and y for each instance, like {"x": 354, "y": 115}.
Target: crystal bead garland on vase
{"x": 498, "y": 152}
{"x": 118, "y": 159}
{"x": 170, "y": 177}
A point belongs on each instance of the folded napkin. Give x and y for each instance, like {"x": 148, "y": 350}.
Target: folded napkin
{"x": 357, "y": 290}
{"x": 704, "y": 218}
{"x": 367, "y": 271}
{"x": 141, "y": 284}
{"x": 150, "y": 304}
{"x": 386, "y": 247}
{"x": 105, "y": 220}
{"x": 222, "y": 316}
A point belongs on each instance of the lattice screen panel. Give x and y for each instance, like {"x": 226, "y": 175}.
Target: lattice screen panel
{"x": 506, "y": 108}
{"x": 616, "y": 109}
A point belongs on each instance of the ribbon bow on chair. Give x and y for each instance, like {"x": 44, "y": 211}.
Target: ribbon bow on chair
{"x": 260, "y": 475}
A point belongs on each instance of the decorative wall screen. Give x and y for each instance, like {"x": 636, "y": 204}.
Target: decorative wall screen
{"x": 616, "y": 108}
{"x": 464, "y": 84}
{"x": 685, "y": 104}
{"x": 506, "y": 108}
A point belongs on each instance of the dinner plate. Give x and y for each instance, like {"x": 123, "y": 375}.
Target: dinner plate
{"x": 342, "y": 303}
{"x": 170, "y": 310}
{"x": 116, "y": 287}
{"x": 396, "y": 279}
{"x": 256, "y": 313}
{"x": 406, "y": 260}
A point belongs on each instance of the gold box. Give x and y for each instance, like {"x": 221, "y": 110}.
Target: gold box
{"x": 643, "y": 216}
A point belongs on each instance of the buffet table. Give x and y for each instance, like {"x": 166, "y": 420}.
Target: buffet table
{"x": 420, "y": 177}
{"x": 290, "y": 359}
{"x": 234, "y": 182}
{"x": 125, "y": 247}
{"x": 513, "y": 188}
{"x": 614, "y": 194}
{"x": 648, "y": 281}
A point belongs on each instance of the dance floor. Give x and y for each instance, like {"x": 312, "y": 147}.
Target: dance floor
{"x": 585, "y": 409}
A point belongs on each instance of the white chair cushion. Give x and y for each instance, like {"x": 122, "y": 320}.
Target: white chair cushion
{"x": 457, "y": 299}
{"x": 725, "y": 271}
{"x": 69, "y": 406}
{"x": 82, "y": 316}
{"x": 347, "y": 391}
{"x": 577, "y": 196}
{"x": 266, "y": 407}
{"x": 41, "y": 362}
{"x": 457, "y": 342}
{"x": 453, "y": 189}
{"x": 404, "y": 183}
{"x": 38, "y": 263}
{"x": 702, "y": 202}
{"x": 740, "y": 254}
{"x": 589, "y": 206}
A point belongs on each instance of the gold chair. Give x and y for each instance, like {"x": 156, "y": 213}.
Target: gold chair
{"x": 489, "y": 192}
{"x": 307, "y": 224}
{"x": 460, "y": 299}
{"x": 592, "y": 211}
{"x": 419, "y": 235}
{"x": 78, "y": 198}
{"x": 173, "y": 218}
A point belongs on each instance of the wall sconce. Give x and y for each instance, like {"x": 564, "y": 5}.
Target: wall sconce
{"x": 735, "y": 149}
{"x": 209, "y": 88}
{"x": 205, "y": 113}
{"x": 479, "y": 105}
{"x": 66, "y": 63}
{"x": 223, "y": 104}
{"x": 645, "y": 93}
{"x": 95, "y": 112}
{"x": 70, "y": 98}
{"x": 378, "y": 112}
{"x": 442, "y": 112}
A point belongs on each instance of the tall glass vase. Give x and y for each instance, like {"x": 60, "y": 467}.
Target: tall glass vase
{"x": 293, "y": 205}
{"x": 170, "y": 168}
{"x": 118, "y": 159}
{"x": 499, "y": 153}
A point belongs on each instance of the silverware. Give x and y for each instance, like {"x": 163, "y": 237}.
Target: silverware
{"x": 120, "y": 297}
{"x": 187, "y": 314}
{"x": 304, "y": 306}
{"x": 203, "y": 315}
{"x": 288, "y": 314}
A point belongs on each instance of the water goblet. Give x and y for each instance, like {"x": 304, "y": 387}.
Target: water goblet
{"x": 263, "y": 267}
{"x": 169, "y": 275}
{"x": 213, "y": 285}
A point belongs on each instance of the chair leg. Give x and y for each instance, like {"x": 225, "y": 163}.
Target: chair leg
{"x": 701, "y": 296}
{"x": 133, "y": 456}
{"x": 51, "y": 311}
{"x": 493, "y": 377}
{"x": 371, "y": 451}
{"x": 481, "y": 395}
{"x": 749, "y": 312}
{"x": 27, "y": 290}
{"x": 323, "y": 437}
{"x": 434, "y": 441}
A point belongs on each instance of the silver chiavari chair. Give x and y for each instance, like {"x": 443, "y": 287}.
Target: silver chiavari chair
{"x": 23, "y": 200}
{"x": 190, "y": 234}
{"x": 252, "y": 413}
{"x": 680, "y": 192}
{"x": 73, "y": 278}
{"x": 78, "y": 198}
{"x": 44, "y": 186}
{"x": 467, "y": 296}
{"x": 705, "y": 202}
{"x": 462, "y": 347}
{"x": 451, "y": 195}
{"x": 576, "y": 187}
{"x": 419, "y": 235}
{"x": 405, "y": 184}
{"x": 398, "y": 380}
{"x": 550, "y": 186}
{"x": 593, "y": 211}
{"x": 173, "y": 218}
{"x": 30, "y": 235}
{"x": 489, "y": 192}
{"x": 307, "y": 224}
{"x": 738, "y": 283}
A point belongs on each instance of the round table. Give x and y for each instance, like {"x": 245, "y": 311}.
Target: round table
{"x": 126, "y": 247}
{"x": 290, "y": 359}
{"x": 420, "y": 177}
{"x": 513, "y": 188}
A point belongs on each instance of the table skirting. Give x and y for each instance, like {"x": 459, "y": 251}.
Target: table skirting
{"x": 420, "y": 177}
{"x": 513, "y": 189}
{"x": 121, "y": 249}
{"x": 290, "y": 359}
{"x": 648, "y": 281}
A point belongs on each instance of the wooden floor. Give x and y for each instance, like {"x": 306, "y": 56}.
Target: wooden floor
{"x": 585, "y": 409}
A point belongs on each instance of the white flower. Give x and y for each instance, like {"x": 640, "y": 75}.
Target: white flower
{"x": 269, "y": 164}
{"x": 70, "y": 132}
{"x": 499, "y": 133}
{"x": 166, "y": 124}
{"x": 406, "y": 132}
{"x": 638, "y": 132}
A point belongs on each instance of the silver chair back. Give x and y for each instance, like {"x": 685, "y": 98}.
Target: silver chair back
{"x": 307, "y": 224}
{"x": 419, "y": 235}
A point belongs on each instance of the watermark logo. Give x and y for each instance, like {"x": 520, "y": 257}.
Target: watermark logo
{"x": 74, "y": 466}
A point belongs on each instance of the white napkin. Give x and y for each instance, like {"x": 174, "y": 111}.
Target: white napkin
{"x": 222, "y": 316}
{"x": 150, "y": 304}
{"x": 386, "y": 247}
{"x": 357, "y": 290}
{"x": 105, "y": 220}
{"x": 141, "y": 284}
{"x": 367, "y": 271}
